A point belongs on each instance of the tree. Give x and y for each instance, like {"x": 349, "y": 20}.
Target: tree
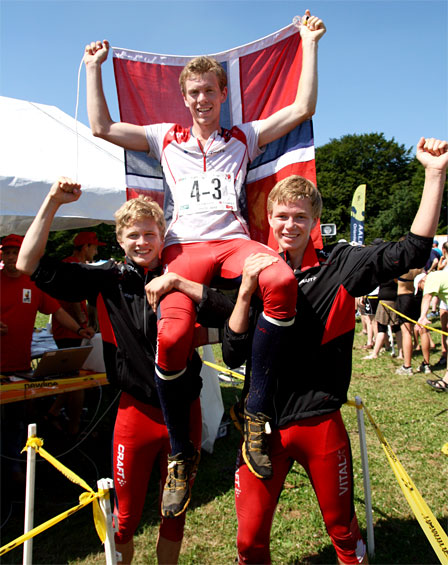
{"x": 388, "y": 171}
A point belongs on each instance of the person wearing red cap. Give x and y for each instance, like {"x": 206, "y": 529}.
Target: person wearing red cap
{"x": 20, "y": 300}
{"x": 85, "y": 249}
{"x": 86, "y": 246}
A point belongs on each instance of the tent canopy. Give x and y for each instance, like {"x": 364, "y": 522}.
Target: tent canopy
{"x": 38, "y": 144}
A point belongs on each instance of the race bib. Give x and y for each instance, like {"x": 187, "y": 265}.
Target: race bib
{"x": 206, "y": 192}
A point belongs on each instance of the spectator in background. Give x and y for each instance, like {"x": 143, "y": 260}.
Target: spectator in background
{"x": 385, "y": 317}
{"x": 432, "y": 265}
{"x": 367, "y": 308}
{"x": 20, "y": 300}
{"x": 443, "y": 311}
{"x": 85, "y": 249}
{"x": 433, "y": 259}
{"x": 435, "y": 284}
{"x": 435, "y": 246}
{"x": 443, "y": 261}
{"x": 407, "y": 303}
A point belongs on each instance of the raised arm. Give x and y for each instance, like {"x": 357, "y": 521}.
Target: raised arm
{"x": 125, "y": 135}
{"x": 63, "y": 191}
{"x": 304, "y": 106}
{"x": 433, "y": 155}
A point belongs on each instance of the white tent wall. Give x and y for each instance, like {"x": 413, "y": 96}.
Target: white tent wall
{"x": 38, "y": 144}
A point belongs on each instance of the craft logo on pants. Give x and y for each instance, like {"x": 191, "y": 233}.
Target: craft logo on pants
{"x": 121, "y": 479}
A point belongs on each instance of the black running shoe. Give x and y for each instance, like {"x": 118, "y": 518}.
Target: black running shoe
{"x": 441, "y": 364}
{"x": 177, "y": 490}
{"x": 255, "y": 447}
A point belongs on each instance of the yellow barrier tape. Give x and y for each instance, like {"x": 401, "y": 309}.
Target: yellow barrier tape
{"x": 37, "y": 443}
{"x": 224, "y": 370}
{"x": 84, "y": 499}
{"x": 413, "y": 321}
{"x": 428, "y": 522}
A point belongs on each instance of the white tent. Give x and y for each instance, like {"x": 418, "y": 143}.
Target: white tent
{"x": 39, "y": 143}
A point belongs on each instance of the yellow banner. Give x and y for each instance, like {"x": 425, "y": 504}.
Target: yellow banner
{"x": 357, "y": 215}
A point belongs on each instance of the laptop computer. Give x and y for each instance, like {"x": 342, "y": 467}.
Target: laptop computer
{"x": 62, "y": 363}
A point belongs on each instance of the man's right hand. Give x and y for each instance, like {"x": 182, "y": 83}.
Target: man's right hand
{"x": 96, "y": 52}
{"x": 65, "y": 190}
{"x": 253, "y": 265}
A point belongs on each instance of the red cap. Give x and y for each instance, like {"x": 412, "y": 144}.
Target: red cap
{"x": 86, "y": 238}
{"x": 12, "y": 240}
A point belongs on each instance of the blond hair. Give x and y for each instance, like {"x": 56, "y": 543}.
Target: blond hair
{"x": 295, "y": 188}
{"x": 200, "y": 66}
{"x": 136, "y": 209}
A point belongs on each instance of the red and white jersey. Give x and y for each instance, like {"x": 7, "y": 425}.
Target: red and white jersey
{"x": 206, "y": 185}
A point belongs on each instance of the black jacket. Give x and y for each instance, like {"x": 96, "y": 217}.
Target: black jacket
{"x": 128, "y": 324}
{"x": 315, "y": 375}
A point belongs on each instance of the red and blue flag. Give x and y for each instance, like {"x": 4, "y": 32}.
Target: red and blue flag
{"x": 262, "y": 78}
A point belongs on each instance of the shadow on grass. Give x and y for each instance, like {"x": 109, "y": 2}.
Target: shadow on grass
{"x": 396, "y": 541}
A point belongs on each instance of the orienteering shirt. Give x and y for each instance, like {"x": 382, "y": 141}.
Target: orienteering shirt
{"x": 206, "y": 186}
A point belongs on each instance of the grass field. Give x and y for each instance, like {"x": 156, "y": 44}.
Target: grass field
{"x": 411, "y": 415}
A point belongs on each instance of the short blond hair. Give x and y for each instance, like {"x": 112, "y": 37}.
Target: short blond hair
{"x": 136, "y": 209}
{"x": 295, "y": 188}
{"x": 200, "y": 66}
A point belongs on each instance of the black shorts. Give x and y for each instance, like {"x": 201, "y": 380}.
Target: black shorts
{"x": 371, "y": 305}
{"x": 409, "y": 305}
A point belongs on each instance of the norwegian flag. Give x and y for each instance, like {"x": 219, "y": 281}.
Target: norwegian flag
{"x": 262, "y": 78}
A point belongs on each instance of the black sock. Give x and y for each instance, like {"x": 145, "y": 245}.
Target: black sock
{"x": 175, "y": 404}
{"x": 267, "y": 347}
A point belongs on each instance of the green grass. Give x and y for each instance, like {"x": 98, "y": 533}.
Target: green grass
{"x": 413, "y": 419}
{"x": 41, "y": 320}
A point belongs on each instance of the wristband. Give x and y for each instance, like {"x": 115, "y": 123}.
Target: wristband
{"x": 79, "y": 330}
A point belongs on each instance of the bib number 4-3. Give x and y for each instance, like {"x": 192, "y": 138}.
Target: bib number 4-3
{"x": 216, "y": 194}
{"x": 206, "y": 192}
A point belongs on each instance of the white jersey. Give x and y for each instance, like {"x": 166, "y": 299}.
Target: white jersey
{"x": 206, "y": 185}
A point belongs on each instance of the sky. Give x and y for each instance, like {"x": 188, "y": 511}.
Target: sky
{"x": 383, "y": 64}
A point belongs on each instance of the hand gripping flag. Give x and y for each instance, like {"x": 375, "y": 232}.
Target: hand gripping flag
{"x": 262, "y": 78}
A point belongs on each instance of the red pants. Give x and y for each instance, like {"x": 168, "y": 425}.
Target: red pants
{"x": 322, "y": 447}
{"x": 200, "y": 262}
{"x": 140, "y": 436}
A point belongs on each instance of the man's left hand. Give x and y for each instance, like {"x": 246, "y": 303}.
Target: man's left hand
{"x": 312, "y": 27}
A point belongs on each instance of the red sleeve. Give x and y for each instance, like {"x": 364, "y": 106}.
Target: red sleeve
{"x": 47, "y": 304}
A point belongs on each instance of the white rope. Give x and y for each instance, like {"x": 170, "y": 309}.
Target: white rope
{"x": 76, "y": 120}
